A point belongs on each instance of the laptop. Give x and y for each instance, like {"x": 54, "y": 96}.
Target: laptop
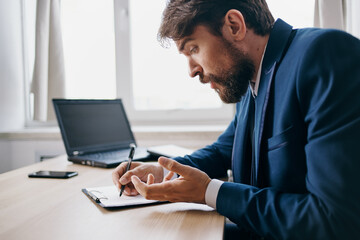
{"x": 96, "y": 132}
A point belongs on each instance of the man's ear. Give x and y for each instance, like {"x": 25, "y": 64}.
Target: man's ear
{"x": 234, "y": 25}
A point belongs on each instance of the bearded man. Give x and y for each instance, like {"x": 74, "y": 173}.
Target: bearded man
{"x": 293, "y": 145}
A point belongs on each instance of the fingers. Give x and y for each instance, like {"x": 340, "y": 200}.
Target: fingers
{"x": 126, "y": 178}
{"x": 169, "y": 176}
{"x": 150, "y": 192}
{"x": 182, "y": 189}
{"x": 150, "y": 179}
{"x": 147, "y": 173}
{"x": 174, "y": 166}
{"x": 138, "y": 184}
{"x": 178, "y": 190}
{"x": 120, "y": 176}
{"x": 130, "y": 190}
{"x": 116, "y": 175}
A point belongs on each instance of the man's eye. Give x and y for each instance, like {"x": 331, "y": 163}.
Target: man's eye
{"x": 193, "y": 50}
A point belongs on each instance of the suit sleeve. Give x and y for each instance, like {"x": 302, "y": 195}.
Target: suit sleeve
{"x": 328, "y": 92}
{"x": 214, "y": 159}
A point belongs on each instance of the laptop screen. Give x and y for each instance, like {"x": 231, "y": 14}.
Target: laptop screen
{"x": 93, "y": 125}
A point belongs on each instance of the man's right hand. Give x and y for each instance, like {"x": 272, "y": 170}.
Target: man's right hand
{"x": 141, "y": 170}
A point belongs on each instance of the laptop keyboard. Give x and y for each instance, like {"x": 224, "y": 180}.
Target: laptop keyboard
{"x": 109, "y": 155}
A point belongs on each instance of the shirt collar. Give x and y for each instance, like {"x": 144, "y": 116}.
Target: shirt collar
{"x": 255, "y": 86}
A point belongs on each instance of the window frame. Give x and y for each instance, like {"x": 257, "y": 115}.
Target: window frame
{"x": 26, "y": 7}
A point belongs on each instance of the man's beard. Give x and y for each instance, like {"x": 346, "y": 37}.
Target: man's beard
{"x": 234, "y": 81}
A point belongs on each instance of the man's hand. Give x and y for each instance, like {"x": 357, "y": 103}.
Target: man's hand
{"x": 189, "y": 187}
{"x": 142, "y": 170}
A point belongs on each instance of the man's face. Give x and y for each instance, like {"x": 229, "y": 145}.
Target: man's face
{"x": 218, "y": 62}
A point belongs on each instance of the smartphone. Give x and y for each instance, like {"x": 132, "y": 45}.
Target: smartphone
{"x": 52, "y": 174}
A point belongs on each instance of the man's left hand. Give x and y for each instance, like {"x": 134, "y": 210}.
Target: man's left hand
{"x": 189, "y": 187}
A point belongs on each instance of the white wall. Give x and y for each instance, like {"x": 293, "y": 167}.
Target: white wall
{"x": 21, "y": 148}
{"x": 20, "y": 153}
{"x": 5, "y": 156}
{"x": 11, "y": 66}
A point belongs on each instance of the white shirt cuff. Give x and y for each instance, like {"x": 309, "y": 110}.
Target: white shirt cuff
{"x": 212, "y": 191}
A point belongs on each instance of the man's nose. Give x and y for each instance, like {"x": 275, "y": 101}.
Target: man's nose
{"x": 194, "y": 69}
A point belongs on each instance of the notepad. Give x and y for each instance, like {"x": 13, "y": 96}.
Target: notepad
{"x": 108, "y": 197}
{"x": 169, "y": 151}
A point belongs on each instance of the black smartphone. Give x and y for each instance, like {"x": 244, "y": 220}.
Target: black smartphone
{"x": 52, "y": 174}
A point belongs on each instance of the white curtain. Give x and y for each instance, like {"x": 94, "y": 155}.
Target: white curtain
{"x": 339, "y": 14}
{"x": 49, "y": 75}
{"x": 353, "y": 17}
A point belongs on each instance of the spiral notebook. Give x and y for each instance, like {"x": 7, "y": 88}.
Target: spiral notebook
{"x": 108, "y": 197}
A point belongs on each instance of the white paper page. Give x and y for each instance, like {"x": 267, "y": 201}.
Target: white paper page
{"x": 109, "y": 197}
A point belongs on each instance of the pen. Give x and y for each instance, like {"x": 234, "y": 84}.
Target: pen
{"x": 130, "y": 158}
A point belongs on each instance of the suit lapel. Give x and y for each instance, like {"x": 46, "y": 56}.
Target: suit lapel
{"x": 240, "y": 156}
{"x": 276, "y": 48}
{"x": 261, "y": 103}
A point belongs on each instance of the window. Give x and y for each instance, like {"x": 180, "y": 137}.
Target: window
{"x": 29, "y": 19}
{"x": 160, "y": 76}
{"x": 160, "y": 88}
{"x": 89, "y": 48}
{"x": 111, "y": 50}
{"x": 299, "y": 13}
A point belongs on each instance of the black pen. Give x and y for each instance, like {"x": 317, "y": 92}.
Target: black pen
{"x": 130, "y": 158}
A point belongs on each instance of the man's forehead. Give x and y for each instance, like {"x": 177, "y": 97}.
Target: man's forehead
{"x": 199, "y": 32}
{"x": 180, "y": 44}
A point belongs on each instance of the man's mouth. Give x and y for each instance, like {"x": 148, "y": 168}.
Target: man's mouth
{"x": 212, "y": 84}
{"x": 202, "y": 80}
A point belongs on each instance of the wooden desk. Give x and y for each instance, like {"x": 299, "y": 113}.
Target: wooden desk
{"x": 33, "y": 208}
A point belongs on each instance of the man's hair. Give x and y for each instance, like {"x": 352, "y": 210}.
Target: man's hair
{"x": 180, "y": 17}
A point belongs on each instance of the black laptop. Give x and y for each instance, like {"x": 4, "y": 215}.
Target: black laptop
{"x": 96, "y": 132}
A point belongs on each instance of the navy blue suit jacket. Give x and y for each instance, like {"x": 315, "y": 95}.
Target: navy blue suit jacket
{"x": 307, "y": 141}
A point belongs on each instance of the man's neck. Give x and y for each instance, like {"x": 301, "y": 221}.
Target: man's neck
{"x": 255, "y": 83}
{"x": 257, "y": 45}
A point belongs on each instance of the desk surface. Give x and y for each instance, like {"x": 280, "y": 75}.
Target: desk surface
{"x": 34, "y": 208}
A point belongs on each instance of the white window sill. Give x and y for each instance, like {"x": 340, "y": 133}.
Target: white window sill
{"x": 37, "y": 142}
{"x": 53, "y": 133}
